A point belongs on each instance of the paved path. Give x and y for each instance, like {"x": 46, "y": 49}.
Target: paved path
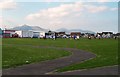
{"x": 43, "y": 68}
{"x": 46, "y": 67}
{"x": 108, "y": 70}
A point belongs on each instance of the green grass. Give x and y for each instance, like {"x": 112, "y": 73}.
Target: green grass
{"x": 18, "y": 55}
{"x": 0, "y": 53}
{"x": 106, "y": 50}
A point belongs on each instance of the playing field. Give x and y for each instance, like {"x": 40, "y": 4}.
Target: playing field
{"x": 19, "y": 51}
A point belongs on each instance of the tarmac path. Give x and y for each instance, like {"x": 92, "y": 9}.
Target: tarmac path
{"x": 48, "y": 67}
{"x": 44, "y": 67}
{"x": 107, "y": 70}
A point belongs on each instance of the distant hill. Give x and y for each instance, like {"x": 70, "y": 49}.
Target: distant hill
{"x": 74, "y": 30}
{"x": 37, "y": 28}
{"x": 27, "y": 27}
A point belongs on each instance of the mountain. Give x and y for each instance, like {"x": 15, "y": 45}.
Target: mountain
{"x": 27, "y": 27}
{"x": 74, "y": 30}
{"x": 37, "y": 28}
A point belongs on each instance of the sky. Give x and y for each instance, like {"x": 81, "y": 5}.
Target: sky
{"x": 97, "y": 16}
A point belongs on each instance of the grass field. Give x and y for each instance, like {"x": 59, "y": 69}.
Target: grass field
{"x": 106, "y": 51}
{"x": 0, "y": 53}
{"x": 15, "y": 55}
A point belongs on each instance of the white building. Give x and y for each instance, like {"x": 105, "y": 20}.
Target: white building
{"x": 30, "y": 34}
{"x": 38, "y": 34}
{"x": 25, "y": 34}
{"x": 42, "y": 34}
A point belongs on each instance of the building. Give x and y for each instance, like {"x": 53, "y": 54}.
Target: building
{"x": 50, "y": 34}
{"x": 98, "y": 34}
{"x": 60, "y": 34}
{"x": 24, "y": 34}
{"x": 1, "y": 32}
{"x": 107, "y": 34}
{"x": 117, "y": 34}
{"x": 42, "y": 34}
{"x": 8, "y": 33}
{"x": 72, "y": 34}
{"x": 36, "y": 34}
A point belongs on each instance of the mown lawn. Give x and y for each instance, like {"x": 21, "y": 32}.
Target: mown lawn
{"x": 14, "y": 55}
{"x": 0, "y": 53}
{"x": 106, "y": 50}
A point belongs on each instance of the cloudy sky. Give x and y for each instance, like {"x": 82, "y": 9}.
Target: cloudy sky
{"x": 97, "y": 16}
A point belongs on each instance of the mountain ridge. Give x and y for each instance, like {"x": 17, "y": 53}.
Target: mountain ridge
{"x": 27, "y": 27}
{"x": 37, "y": 28}
{"x": 74, "y": 30}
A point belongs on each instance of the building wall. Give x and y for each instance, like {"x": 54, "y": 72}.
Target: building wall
{"x": 42, "y": 34}
{"x": 19, "y": 33}
{"x": 25, "y": 34}
{"x": 75, "y": 34}
{"x": 8, "y": 33}
{"x": 36, "y": 34}
{"x": 30, "y": 34}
